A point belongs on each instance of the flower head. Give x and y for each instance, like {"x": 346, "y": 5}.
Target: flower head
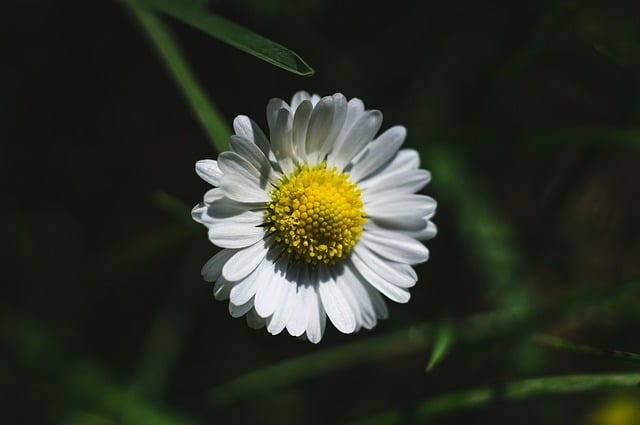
{"x": 317, "y": 220}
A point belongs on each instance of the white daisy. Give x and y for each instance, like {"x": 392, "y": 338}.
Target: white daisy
{"x": 317, "y": 222}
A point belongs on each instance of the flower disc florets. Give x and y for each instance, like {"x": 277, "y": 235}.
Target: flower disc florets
{"x": 316, "y": 213}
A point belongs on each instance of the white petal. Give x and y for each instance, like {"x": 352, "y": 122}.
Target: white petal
{"x": 213, "y": 195}
{"x": 429, "y": 232}
{"x": 269, "y": 293}
{"x": 398, "y": 274}
{"x": 233, "y": 164}
{"x": 359, "y": 298}
{"x": 227, "y": 234}
{"x": 247, "y": 128}
{"x": 278, "y": 321}
{"x": 355, "y": 110}
{"x": 380, "y": 306}
{"x": 239, "y": 213}
{"x": 389, "y": 184}
{"x": 319, "y": 127}
{"x": 361, "y": 133}
{"x": 335, "y": 303}
{"x": 209, "y": 171}
{"x": 395, "y": 246}
{"x": 199, "y": 214}
{"x": 212, "y": 269}
{"x": 254, "y": 320}
{"x": 299, "y": 318}
{"x": 300, "y": 125}
{"x": 236, "y": 310}
{"x": 400, "y": 207}
{"x": 381, "y": 150}
{"x": 273, "y": 107}
{"x": 242, "y": 190}
{"x": 417, "y": 228}
{"x": 403, "y": 160}
{"x": 391, "y": 291}
{"x": 298, "y": 98}
{"x": 244, "y": 262}
{"x": 254, "y": 155}
{"x": 222, "y": 288}
{"x": 325, "y": 123}
{"x": 246, "y": 289}
{"x": 345, "y": 281}
{"x": 317, "y": 316}
{"x": 281, "y": 142}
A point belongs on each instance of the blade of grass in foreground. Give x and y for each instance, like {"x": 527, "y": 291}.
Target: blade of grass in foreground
{"x": 555, "y": 342}
{"x": 231, "y": 33}
{"x": 169, "y": 50}
{"x": 516, "y": 390}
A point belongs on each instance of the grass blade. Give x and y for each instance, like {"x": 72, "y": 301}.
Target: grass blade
{"x": 232, "y": 34}
{"x": 516, "y": 390}
{"x": 442, "y": 345}
{"x": 555, "y": 342}
{"x": 167, "y": 47}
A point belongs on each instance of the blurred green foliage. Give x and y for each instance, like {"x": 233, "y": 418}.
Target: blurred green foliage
{"x": 526, "y": 113}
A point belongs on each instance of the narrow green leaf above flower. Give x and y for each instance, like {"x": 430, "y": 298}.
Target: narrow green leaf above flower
{"x": 316, "y": 221}
{"x": 231, "y": 33}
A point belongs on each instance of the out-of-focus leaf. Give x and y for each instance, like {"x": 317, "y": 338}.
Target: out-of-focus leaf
{"x": 442, "y": 345}
{"x": 82, "y": 381}
{"x": 231, "y": 33}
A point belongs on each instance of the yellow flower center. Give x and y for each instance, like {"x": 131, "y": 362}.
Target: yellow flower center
{"x": 316, "y": 213}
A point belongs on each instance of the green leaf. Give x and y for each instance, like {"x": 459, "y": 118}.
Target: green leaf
{"x": 169, "y": 50}
{"x": 232, "y": 34}
{"x": 442, "y": 345}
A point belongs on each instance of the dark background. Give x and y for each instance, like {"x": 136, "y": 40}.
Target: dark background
{"x": 526, "y": 113}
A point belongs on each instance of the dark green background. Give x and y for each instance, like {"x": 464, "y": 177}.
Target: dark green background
{"x": 527, "y": 113}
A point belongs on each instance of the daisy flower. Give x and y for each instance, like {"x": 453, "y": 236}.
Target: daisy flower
{"x": 318, "y": 220}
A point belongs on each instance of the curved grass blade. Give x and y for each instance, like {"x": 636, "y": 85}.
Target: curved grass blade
{"x": 555, "y": 342}
{"x": 169, "y": 50}
{"x": 516, "y": 390}
{"x": 232, "y": 34}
